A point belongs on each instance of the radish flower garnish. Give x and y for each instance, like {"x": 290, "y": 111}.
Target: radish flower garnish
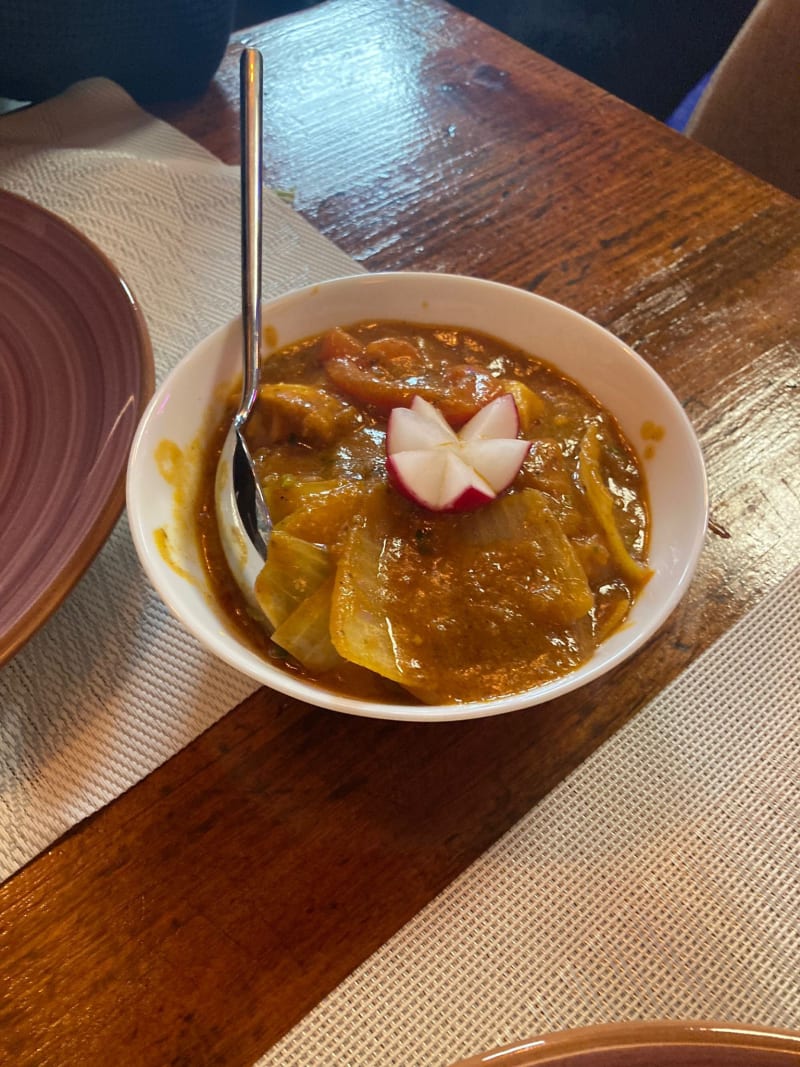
{"x": 443, "y": 470}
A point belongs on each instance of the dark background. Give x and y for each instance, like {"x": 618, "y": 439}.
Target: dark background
{"x": 649, "y": 52}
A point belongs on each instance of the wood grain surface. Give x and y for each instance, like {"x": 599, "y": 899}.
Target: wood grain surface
{"x": 198, "y": 917}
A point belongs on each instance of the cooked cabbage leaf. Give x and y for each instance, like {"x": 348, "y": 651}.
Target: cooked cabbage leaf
{"x": 306, "y": 633}
{"x": 602, "y": 504}
{"x": 294, "y": 570}
{"x": 418, "y": 610}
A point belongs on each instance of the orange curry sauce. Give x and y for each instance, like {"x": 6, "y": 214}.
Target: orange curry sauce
{"x": 385, "y": 600}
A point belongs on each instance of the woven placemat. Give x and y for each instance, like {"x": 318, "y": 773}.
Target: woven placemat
{"x": 660, "y": 880}
{"x": 112, "y": 685}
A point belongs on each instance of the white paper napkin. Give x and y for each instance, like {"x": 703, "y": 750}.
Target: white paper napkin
{"x": 112, "y": 685}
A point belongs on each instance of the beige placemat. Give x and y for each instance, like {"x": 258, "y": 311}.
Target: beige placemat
{"x": 112, "y": 685}
{"x": 660, "y": 880}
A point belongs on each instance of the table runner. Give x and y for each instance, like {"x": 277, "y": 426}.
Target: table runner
{"x": 660, "y": 880}
{"x": 112, "y": 685}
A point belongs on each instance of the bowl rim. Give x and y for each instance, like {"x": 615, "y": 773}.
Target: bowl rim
{"x": 550, "y": 1048}
{"x": 231, "y": 650}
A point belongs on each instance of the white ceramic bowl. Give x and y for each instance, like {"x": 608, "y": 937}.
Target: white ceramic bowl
{"x": 584, "y": 351}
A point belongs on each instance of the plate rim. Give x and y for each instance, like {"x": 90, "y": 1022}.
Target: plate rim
{"x": 44, "y": 606}
{"x": 549, "y": 1048}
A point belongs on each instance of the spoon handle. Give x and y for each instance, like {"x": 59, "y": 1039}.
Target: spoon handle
{"x": 250, "y": 101}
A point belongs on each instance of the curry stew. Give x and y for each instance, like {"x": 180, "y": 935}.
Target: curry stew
{"x": 375, "y": 596}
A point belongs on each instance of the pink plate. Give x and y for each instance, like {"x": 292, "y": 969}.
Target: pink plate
{"x": 76, "y": 371}
{"x": 650, "y": 1044}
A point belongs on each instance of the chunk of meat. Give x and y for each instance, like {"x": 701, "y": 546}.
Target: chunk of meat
{"x": 301, "y": 412}
{"x": 390, "y": 372}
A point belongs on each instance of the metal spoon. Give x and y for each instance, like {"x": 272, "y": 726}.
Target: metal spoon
{"x": 242, "y": 516}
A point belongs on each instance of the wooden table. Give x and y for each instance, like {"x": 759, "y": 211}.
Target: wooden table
{"x": 197, "y": 918}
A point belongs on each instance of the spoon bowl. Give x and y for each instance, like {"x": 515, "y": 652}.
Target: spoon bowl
{"x": 242, "y": 516}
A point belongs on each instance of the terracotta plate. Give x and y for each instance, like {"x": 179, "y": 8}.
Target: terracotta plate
{"x": 76, "y": 370}
{"x": 651, "y": 1044}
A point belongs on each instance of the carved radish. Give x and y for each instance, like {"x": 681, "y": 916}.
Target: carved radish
{"x": 443, "y": 470}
